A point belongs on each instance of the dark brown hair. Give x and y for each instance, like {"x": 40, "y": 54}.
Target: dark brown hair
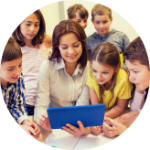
{"x": 99, "y": 9}
{"x": 106, "y": 54}
{"x": 64, "y": 27}
{"x": 17, "y": 35}
{"x": 136, "y": 51}
{"x": 12, "y": 51}
{"x": 77, "y": 8}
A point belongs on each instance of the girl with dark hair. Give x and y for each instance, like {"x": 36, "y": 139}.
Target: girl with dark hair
{"x": 35, "y": 47}
{"x": 62, "y": 78}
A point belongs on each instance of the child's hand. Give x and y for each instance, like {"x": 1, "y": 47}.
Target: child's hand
{"x": 77, "y": 131}
{"x": 113, "y": 128}
{"x": 44, "y": 121}
{"x": 36, "y": 129}
{"x": 96, "y": 130}
{"x": 30, "y": 130}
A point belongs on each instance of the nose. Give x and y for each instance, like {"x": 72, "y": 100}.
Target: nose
{"x": 99, "y": 76}
{"x": 101, "y": 25}
{"x": 131, "y": 77}
{"x": 32, "y": 28}
{"x": 82, "y": 24}
{"x": 18, "y": 71}
{"x": 71, "y": 50}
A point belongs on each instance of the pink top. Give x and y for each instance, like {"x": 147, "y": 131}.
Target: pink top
{"x": 137, "y": 101}
{"x": 31, "y": 61}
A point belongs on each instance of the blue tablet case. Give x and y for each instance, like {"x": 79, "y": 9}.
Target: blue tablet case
{"x": 89, "y": 115}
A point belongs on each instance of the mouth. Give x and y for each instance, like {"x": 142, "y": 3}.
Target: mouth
{"x": 100, "y": 81}
{"x": 31, "y": 35}
{"x": 15, "y": 78}
{"x": 137, "y": 84}
{"x": 72, "y": 57}
{"x": 101, "y": 30}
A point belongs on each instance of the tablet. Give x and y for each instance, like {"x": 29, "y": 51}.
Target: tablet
{"x": 89, "y": 115}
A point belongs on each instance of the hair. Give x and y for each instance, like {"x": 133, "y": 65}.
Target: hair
{"x": 136, "y": 51}
{"x": 65, "y": 27}
{"x": 99, "y": 9}
{"x": 17, "y": 35}
{"x": 77, "y": 8}
{"x": 12, "y": 51}
{"x": 106, "y": 54}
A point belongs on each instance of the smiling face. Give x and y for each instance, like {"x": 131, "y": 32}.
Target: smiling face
{"x": 138, "y": 74}
{"x": 30, "y": 27}
{"x": 10, "y": 71}
{"x": 102, "y": 24}
{"x": 70, "y": 48}
{"x": 103, "y": 73}
{"x": 82, "y": 22}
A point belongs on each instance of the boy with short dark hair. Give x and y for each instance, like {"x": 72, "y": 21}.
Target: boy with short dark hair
{"x": 78, "y": 13}
{"x": 139, "y": 74}
{"x": 102, "y": 19}
{"x": 12, "y": 85}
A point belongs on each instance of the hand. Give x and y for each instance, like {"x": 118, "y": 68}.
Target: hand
{"x": 96, "y": 130}
{"x": 112, "y": 128}
{"x": 34, "y": 127}
{"x": 77, "y": 131}
{"x": 30, "y": 131}
{"x": 44, "y": 121}
{"x": 129, "y": 115}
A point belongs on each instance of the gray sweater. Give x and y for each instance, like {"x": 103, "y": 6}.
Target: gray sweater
{"x": 119, "y": 39}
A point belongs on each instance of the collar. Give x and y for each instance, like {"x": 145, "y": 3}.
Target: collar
{"x": 61, "y": 65}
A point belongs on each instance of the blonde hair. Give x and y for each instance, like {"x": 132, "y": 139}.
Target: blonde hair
{"x": 99, "y": 9}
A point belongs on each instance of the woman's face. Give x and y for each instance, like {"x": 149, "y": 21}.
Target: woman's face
{"x": 30, "y": 27}
{"x": 70, "y": 48}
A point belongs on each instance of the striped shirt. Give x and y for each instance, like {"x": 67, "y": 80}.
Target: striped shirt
{"x": 31, "y": 61}
{"x": 14, "y": 97}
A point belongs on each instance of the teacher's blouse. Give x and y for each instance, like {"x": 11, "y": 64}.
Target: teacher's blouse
{"x": 55, "y": 88}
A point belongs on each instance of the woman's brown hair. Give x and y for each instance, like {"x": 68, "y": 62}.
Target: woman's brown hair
{"x": 12, "y": 51}
{"x": 106, "y": 54}
{"x": 64, "y": 27}
{"x": 17, "y": 35}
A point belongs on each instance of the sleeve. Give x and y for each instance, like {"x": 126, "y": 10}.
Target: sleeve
{"x": 43, "y": 90}
{"x": 126, "y": 42}
{"x": 89, "y": 80}
{"x": 84, "y": 98}
{"x": 19, "y": 110}
{"x": 124, "y": 87}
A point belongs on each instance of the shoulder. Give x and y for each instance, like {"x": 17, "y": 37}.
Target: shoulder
{"x": 92, "y": 36}
{"x": 47, "y": 41}
{"x": 121, "y": 74}
{"x": 119, "y": 33}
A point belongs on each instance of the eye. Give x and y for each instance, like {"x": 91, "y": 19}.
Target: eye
{"x": 97, "y": 22}
{"x": 105, "y": 72}
{"x": 64, "y": 47}
{"x": 37, "y": 25}
{"x": 76, "y": 45}
{"x": 105, "y": 21}
{"x": 20, "y": 65}
{"x": 94, "y": 71}
{"x": 135, "y": 72}
{"x": 27, "y": 24}
{"x": 10, "y": 69}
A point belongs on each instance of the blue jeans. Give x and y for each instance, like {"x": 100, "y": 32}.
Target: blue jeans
{"x": 30, "y": 110}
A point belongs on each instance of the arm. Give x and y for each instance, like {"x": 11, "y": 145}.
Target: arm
{"x": 43, "y": 96}
{"x": 93, "y": 96}
{"x": 18, "y": 109}
{"x": 118, "y": 109}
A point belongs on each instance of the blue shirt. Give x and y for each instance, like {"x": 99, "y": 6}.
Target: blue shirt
{"x": 14, "y": 97}
{"x": 119, "y": 39}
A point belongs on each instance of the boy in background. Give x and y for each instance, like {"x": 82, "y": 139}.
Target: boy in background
{"x": 78, "y": 13}
{"x": 13, "y": 89}
{"x": 102, "y": 19}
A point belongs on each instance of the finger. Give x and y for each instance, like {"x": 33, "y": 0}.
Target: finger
{"x": 115, "y": 123}
{"x": 74, "y": 129}
{"x": 84, "y": 130}
{"x": 96, "y": 130}
{"x": 32, "y": 131}
{"x": 109, "y": 128}
{"x": 70, "y": 131}
{"x": 111, "y": 133}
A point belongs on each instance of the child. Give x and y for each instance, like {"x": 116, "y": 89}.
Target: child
{"x": 102, "y": 19}
{"x": 139, "y": 74}
{"x": 78, "y": 13}
{"x": 30, "y": 35}
{"x": 108, "y": 84}
{"x": 12, "y": 86}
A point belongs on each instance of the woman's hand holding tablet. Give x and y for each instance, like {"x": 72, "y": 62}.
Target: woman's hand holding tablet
{"x": 44, "y": 121}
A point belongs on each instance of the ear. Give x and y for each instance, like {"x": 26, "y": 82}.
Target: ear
{"x": 111, "y": 19}
{"x": 92, "y": 20}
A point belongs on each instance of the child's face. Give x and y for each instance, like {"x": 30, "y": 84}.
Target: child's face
{"x": 138, "y": 74}
{"x": 82, "y": 22}
{"x": 30, "y": 27}
{"x": 102, "y": 24}
{"x": 70, "y": 48}
{"x": 10, "y": 71}
{"x": 103, "y": 73}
